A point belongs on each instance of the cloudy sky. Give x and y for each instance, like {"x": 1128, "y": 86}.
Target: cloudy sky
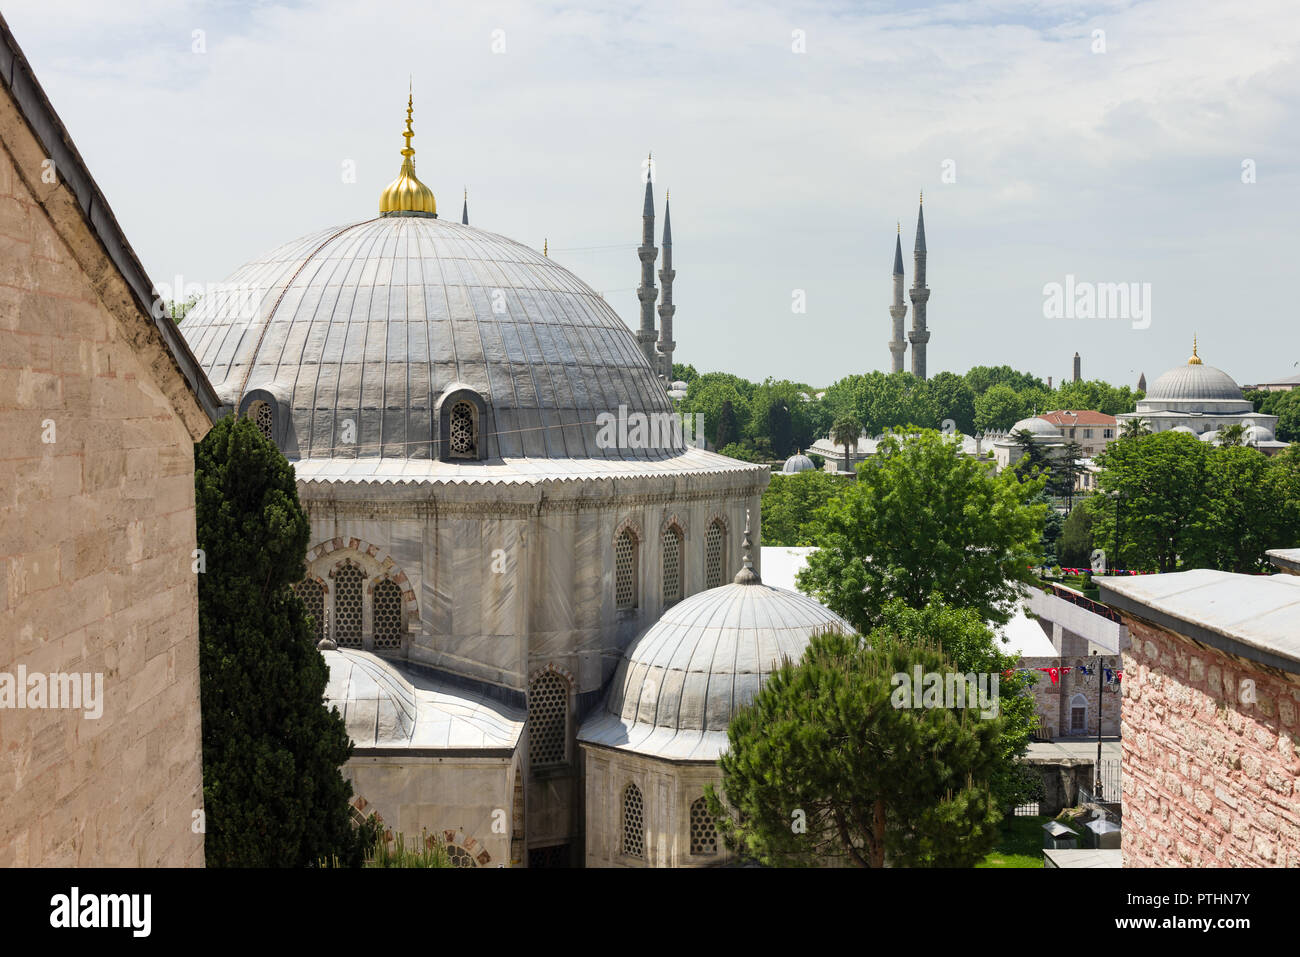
{"x": 1113, "y": 157}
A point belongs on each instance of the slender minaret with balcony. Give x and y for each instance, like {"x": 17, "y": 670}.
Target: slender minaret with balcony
{"x": 920, "y": 294}
{"x": 897, "y": 344}
{"x": 666, "y": 307}
{"x": 646, "y": 292}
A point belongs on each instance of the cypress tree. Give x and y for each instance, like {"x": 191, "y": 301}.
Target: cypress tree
{"x": 272, "y": 788}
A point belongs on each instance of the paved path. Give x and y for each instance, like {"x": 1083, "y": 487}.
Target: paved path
{"x": 1075, "y": 748}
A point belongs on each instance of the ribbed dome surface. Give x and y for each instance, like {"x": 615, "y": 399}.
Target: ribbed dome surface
{"x": 1038, "y": 426}
{"x": 1193, "y": 382}
{"x": 678, "y": 686}
{"x": 371, "y": 322}
{"x": 798, "y": 463}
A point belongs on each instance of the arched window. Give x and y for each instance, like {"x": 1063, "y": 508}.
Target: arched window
{"x": 714, "y": 557}
{"x": 460, "y": 857}
{"x": 633, "y": 822}
{"x": 548, "y": 720}
{"x": 463, "y": 432}
{"x": 347, "y": 605}
{"x": 312, "y": 594}
{"x": 704, "y": 835}
{"x": 625, "y": 570}
{"x": 1078, "y": 714}
{"x": 388, "y": 614}
{"x": 264, "y": 418}
{"x": 672, "y": 565}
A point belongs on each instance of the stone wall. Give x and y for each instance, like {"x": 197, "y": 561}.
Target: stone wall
{"x": 1062, "y": 778}
{"x": 96, "y": 534}
{"x": 1211, "y": 771}
{"x": 1053, "y": 703}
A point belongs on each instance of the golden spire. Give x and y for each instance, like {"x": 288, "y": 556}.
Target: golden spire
{"x": 900, "y": 227}
{"x": 545, "y": 248}
{"x": 921, "y": 202}
{"x": 1195, "y": 360}
{"x": 406, "y": 195}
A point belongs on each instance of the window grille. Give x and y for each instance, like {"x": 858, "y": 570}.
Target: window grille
{"x": 463, "y": 444}
{"x": 312, "y": 594}
{"x": 460, "y": 857}
{"x": 548, "y": 720}
{"x": 672, "y": 566}
{"x": 633, "y": 822}
{"x": 264, "y": 419}
{"x": 347, "y": 605}
{"x": 388, "y": 614}
{"x": 625, "y": 570}
{"x": 713, "y": 565}
{"x": 704, "y": 836}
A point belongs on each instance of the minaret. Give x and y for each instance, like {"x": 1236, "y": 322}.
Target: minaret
{"x": 1078, "y": 367}
{"x": 919, "y": 294}
{"x": 464, "y": 210}
{"x": 1142, "y": 382}
{"x": 645, "y": 336}
{"x": 666, "y": 307}
{"x": 897, "y": 344}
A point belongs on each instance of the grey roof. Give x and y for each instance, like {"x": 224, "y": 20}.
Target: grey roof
{"x": 1038, "y": 426}
{"x": 1287, "y": 559}
{"x": 16, "y": 73}
{"x": 678, "y": 686}
{"x": 1193, "y": 382}
{"x": 898, "y": 255}
{"x": 798, "y": 463}
{"x": 373, "y": 321}
{"x": 385, "y": 706}
{"x": 1252, "y": 616}
{"x": 920, "y": 229}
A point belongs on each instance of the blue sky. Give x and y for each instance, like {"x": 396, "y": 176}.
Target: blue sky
{"x": 788, "y": 170}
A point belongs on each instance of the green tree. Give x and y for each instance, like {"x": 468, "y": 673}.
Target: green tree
{"x": 1162, "y": 483}
{"x": 738, "y": 451}
{"x": 925, "y": 518}
{"x": 845, "y": 432}
{"x": 1287, "y": 409}
{"x": 1075, "y": 549}
{"x": 1231, "y": 435}
{"x": 1030, "y": 460}
{"x": 1135, "y": 429}
{"x": 1066, "y": 470}
{"x": 983, "y": 378}
{"x": 726, "y": 430}
{"x": 272, "y": 788}
{"x": 823, "y": 766}
{"x": 1248, "y": 511}
{"x": 684, "y": 373}
{"x": 707, "y": 393}
{"x": 950, "y": 398}
{"x": 792, "y": 504}
{"x": 998, "y": 408}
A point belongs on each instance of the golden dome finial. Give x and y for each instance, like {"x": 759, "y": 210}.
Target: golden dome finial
{"x": 1195, "y": 360}
{"x": 921, "y": 202}
{"x": 545, "y": 248}
{"x": 406, "y": 195}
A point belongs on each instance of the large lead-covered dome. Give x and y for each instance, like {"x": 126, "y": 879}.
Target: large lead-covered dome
{"x": 355, "y": 336}
{"x": 1194, "y": 383}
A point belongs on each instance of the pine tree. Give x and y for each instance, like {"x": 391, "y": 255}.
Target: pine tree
{"x": 272, "y": 789}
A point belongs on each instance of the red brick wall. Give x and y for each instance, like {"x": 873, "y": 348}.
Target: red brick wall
{"x": 1210, "y": 780}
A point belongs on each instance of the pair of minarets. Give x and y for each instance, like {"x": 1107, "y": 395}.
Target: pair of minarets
{"x": 919, "y": 294}
{"x": 658, "y": 354}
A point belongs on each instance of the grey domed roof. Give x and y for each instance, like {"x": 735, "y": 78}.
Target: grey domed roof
{"x": 678, "y": 686}
{"x": 1192, "y": 383}
{"x": 798, "y": 463}
{"x": 374, "y": 321}
{"x": 1038, "y": 426}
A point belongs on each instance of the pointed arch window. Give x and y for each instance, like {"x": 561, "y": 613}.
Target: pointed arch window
{"x": 263, "y": 417}
{"x": 672, "y": 565}
{"x": 463, "y": 437}
{"x": 633, "y": 822}
{"x": 626, "y": 548}
{"x": 548, "y": 720}
{"x": 348, "y": 578}
{"x": 714, "y": 554}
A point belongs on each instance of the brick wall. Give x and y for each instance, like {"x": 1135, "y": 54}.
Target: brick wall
{"x": 1210, "y": 780}
{"x": 96, "y": 534}
{"x": 1053, "y": 702}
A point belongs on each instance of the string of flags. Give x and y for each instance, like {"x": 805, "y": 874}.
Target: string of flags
{"x": 1111, "y": 675}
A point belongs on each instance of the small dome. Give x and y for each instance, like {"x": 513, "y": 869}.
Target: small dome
{"x": 679, "y": 685}
{"x": 798, "y": 463}
{"x": 1183, "y": 428}
{"x": 1040, "y": 427}
{"x": 679, "y": 386}
{"x": 1211, "y": 436}
{"x": 1260, "y": 433}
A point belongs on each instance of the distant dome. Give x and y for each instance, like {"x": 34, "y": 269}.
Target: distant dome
{"x": 1260, "y": 433}
{"x": 1040, "y": 427}
{"x": 1193, "y": 383}
{"x": 798, "y": 463}
{"x": 1183, "y": 428}
{"x": 678, "y": 687}
{"x": 1211, "y": 436}
{"x": 679, "y": 386}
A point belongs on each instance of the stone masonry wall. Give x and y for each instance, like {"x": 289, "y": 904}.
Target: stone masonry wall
{"x": 96, "y": 533}
{"x": 1053, "y": 702}
{"x": 1211, "y": 777}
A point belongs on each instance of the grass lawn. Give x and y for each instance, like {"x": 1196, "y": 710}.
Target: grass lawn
{"x": 1021, "y": 843}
